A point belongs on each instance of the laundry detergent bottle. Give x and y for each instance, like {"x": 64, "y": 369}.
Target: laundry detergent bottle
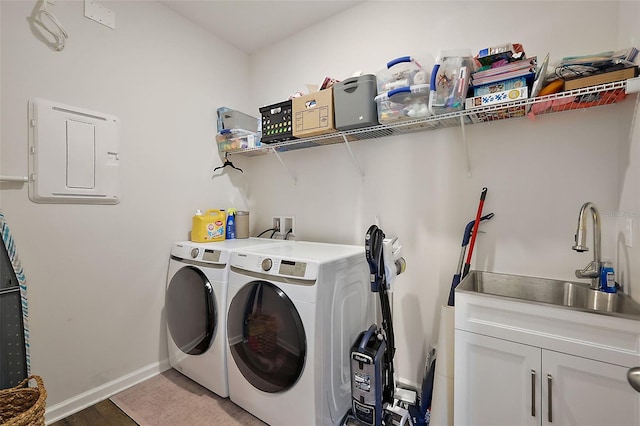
{"x": 231, "y": 224}
{"x": 208, "y": 227}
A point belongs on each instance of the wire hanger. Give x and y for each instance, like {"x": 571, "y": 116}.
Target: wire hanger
{"x": 227, "y": 163}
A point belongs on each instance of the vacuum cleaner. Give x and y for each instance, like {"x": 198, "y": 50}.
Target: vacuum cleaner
{"x": 375, "y": 401}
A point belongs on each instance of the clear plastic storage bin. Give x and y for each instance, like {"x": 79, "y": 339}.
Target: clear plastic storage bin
{"x": 450, "y": 81}
{"x": 401, "y": 72}
{"x": 405, "y": 103}
{"x": 234, "y": 139}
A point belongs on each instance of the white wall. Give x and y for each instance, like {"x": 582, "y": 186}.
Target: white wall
{"x": 538, "y": 173}
{"x": 628, "y": 266}
{"x": 96, "y": 274}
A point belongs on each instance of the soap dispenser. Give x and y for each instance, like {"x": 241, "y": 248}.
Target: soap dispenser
{"x": 607, "y": 278}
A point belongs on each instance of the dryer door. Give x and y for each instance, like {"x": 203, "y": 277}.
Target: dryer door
{"x": 266, "y": 337}
{"x": 191, "y": 311}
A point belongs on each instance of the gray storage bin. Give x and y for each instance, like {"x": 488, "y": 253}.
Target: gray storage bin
{"x": 232, "y": 119}
{"x": 354, "y": 104}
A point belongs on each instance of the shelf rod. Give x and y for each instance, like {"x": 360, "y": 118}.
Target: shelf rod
{"x": 14, "y": 179}
{"x": 464, "y": 144}
{"x": 295, "y": 181}
{"x": 353, "y": 157}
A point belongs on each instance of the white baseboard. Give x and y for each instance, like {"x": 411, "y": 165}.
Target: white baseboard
{"x": 100, "y": 393}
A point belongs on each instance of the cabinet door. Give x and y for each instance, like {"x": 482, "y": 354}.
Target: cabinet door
{"x": 586, "y": 392}
{"x": 497, "y": 382}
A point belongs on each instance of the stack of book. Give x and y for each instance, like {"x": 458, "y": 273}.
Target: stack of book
{"x": 506, "y": 75}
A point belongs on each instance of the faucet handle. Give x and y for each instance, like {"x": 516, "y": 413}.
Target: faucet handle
{"x": 589, "y": 271}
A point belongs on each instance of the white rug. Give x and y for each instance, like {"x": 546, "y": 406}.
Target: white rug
{"x": 172, "y": 399}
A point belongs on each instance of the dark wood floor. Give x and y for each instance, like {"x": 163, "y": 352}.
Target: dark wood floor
{"x": 104, "y": 413}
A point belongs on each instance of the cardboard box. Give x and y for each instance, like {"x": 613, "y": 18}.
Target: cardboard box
{"x": 313, "y": 114}
{"x": 601, "y": 78}
{"x": 496, "y": 98}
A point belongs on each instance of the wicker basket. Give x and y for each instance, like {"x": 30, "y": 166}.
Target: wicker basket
{"x": 23, "y": 405}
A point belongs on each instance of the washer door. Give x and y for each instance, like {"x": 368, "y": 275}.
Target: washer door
{"x": 266, "y": 337}
{"x": 191, "y": 311}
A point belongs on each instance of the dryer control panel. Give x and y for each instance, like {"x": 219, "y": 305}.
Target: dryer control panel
{"x": 296, "y": 269}
{"x": 276, "y": 266}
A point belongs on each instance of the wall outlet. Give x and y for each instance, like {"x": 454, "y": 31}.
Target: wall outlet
{"x": 628, "y": 233}
{"x": 289, "y": 226}
{"x": 276, "y": 224}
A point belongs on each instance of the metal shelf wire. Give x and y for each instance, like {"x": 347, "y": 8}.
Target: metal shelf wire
{"x": 588, "y": 97}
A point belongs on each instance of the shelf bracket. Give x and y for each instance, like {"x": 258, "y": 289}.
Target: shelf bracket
{"x": 633, "y": 85}
{"x": 464, "y": 144}
{"x": 284, "y": 166}
{"x": 353, "y": 157}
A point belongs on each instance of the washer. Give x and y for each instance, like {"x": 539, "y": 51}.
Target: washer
{"x": 195, "y": 305}
{"x": 293, "y": 313}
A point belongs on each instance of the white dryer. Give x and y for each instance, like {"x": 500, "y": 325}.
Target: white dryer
{"x": 293, "y": 313}
{"x": 195, "y": 307}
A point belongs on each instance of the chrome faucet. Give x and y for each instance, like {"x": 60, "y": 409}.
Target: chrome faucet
{"x": 592, "y": 270}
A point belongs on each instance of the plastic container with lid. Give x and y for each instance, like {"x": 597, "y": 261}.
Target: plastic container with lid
{"x": 404, "y": 103}
{"x": 209, "y": 226}
{"x": 401, "y": 72}
{"x": 232, "y": 119}
{"x": 235, "y": 139}
{"x": 353, "y": 102}
{"x": 450, "y": 81}
{"x": 242, "y": 224}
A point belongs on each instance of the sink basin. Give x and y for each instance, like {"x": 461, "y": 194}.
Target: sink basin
{"x": 571, "y": 295}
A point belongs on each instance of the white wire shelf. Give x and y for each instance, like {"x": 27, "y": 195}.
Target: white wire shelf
{"x": 588, "y": 97}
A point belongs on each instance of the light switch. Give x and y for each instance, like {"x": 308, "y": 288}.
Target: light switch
{"x": 81, "y": 155}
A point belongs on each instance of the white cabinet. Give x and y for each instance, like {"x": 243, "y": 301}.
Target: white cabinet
{"x": 493, "y": 381}
{"x": 518, "y": 363}
{"x": 504, "y": 383}
{"x": 586, "y": 392}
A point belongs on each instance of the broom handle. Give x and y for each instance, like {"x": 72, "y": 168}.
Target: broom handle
{"x": 474, "y": 233}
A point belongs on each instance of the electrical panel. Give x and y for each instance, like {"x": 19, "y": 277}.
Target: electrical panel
{"x": 74, "y": 154}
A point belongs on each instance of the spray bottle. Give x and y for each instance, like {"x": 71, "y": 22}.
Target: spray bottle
{"x": 231, "y": 224}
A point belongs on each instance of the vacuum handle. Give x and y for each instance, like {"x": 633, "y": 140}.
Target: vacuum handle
{"x": 366, "y": 336}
